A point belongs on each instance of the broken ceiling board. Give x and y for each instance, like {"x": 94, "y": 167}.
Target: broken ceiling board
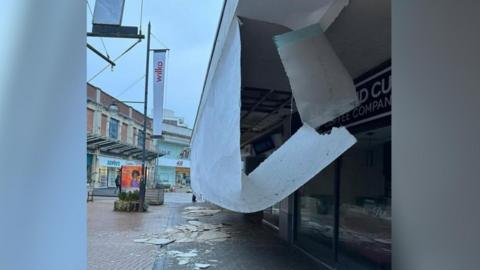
{"x": 216, "y": 157}
{"x": 322, "y": 86}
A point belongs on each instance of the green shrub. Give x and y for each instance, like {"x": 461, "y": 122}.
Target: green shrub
{"x": 134, "y": 196}
{"x": 122, "y": 196}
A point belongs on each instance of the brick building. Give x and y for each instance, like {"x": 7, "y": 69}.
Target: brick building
{"x": 114, "y": 139}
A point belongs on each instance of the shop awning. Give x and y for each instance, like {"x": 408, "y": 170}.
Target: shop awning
{"x": 108, "y": 146}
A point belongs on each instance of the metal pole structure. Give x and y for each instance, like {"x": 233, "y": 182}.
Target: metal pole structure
{"x": 144, "y": 152}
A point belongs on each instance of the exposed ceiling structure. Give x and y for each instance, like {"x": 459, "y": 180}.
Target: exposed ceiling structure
{"x": 361, "y": 35}
{"x": 358, "y": 30}
{"x": 266, "y": 93}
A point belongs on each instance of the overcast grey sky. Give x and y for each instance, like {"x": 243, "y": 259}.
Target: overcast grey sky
{"x": 186, "y": 27}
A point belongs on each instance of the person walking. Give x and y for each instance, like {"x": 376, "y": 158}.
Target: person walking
{"x": 118, "y": 183}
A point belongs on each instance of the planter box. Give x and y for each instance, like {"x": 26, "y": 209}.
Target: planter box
{"x": 127, "y": 206}
{"x": 154, "y": 196}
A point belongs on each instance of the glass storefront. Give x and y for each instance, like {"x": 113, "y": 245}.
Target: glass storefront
{"x": 365, "y": 240}
{"x": 315, "y": 215}
{"x": 112, "y": 173}
{"x": 272, "y": 215}
{"x": 361, "y": 238}
{"x": 102, "y": 181}
{"x": 106, "y": 177}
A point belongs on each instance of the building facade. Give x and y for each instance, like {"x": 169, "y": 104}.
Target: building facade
{"x": 114, "y": 139}
{"x": 173, "y": 168}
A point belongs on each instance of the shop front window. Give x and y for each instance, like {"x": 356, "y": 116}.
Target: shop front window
{"x": 271, "y": 215}
{"x": 112, "y": 174}
{"x": 102, "y": 178}
{"x": 315, "y": 215}
{"x": 365, "y": 203}
{"x": 361, "y": 239}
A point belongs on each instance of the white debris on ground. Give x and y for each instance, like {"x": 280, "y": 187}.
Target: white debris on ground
{"x": 193, "y": 231}
{"x": 192, "y": 212}
{"x": 201, "y": 266}
{"x": 183, "y": 257}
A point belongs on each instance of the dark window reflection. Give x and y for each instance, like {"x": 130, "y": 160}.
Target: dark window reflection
{"x": 315, "y": 218}
{"x": 271, "y": 214}
{"x": 365, "y": 203}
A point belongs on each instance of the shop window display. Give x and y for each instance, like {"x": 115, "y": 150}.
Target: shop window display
{"x": 363, "y": 241}
{"x": 365, "y": 203}
{"x": 315, "y": 215}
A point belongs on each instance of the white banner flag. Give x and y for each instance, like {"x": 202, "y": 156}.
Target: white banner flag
{"x": 159, "y": 57}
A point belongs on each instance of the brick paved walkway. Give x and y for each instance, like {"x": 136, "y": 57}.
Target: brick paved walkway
{"x": 111, "y": 234}
{"x": 252, "y": 247}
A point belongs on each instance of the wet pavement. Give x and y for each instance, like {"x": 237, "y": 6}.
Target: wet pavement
{"x": 111, "y": 234}
{"x": 251, "y": 246}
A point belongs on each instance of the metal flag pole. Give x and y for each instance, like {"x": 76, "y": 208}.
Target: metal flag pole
{"x": 144, "y": 153}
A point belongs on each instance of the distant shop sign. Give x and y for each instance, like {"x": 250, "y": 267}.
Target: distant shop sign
{"x": 374, "y": 94}
{"x": 166, "y": 162}
{"x": 113, "y": 162}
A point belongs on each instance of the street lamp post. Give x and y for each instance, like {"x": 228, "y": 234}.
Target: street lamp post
{"x": 144, "y": 153}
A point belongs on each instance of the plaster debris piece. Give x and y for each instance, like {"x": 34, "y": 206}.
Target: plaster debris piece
{"x": 141, "y": 240}
{"x": 183, "y": 261}
{"x": 191, "y": 228}
{"x": 159, "y": 241}
{"x": 189, "y": 208}
{"x": 213, "y": 236}
{"x": 184, "y": 240}
{"x": 183, "y": 257}
{"x": 201, "y": 213}
{"x": 195, "y": 223}
{"x": 173, "y": 252}
{"x": 190, "y": 254}
{"x": 193, "y": 231}
{"x": 170, "y": 230}
{"x": 202, "y": 265}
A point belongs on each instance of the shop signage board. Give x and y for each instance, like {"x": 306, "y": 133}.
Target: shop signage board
{"x": 374, "y": 93}
{"x": 113, "y": 162}
{"x": 173, "y": 162}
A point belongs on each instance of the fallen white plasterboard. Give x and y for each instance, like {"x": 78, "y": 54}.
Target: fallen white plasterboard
{"x": 202, "y": 265}
{"x": 298, "y": 160}
{"x": 216, "y": 165}
{"x": 321, "y": 84}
